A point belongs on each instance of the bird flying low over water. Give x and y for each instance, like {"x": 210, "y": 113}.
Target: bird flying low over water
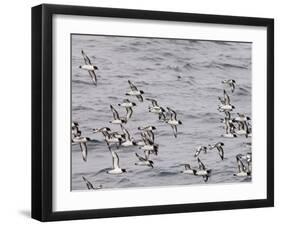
{"x": 116, "y": 117}
{"x": 128, "y": 105}
{"x": 188, "y": 170}
{"x": 242, "y": 170}
{"x": 144, "y": 161}
{"x": 225, "y": 103}
{"x": 129, "y": 141}
{"x": 173, "y": 122}
{"x": 88, "y": 66}
{"x": 135, "y": 92}
{"x": 155, "y": 108}
{"x": 203, "y": 171}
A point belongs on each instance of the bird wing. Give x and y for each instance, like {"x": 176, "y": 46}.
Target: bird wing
{"x": 227, "y": 127}
{"x": 86, "y": 58}
{"x": 115, "y": 160}
{"x": 88, "y": 183}
{"x": 126, "y": 101}
{"x": 197, "y": 152}
{"x": 129, "y": 111}
{"x": 150, "y": 134}
{"x": 173, "y": 113}
{"x": 221, "y": 152}
{"x": 153, "y": 101}
{"x": 201, "y": 165}
{"x": 84, "y": 150}
{"x": 226, "y": 98}
{"x": 146, "y": 154}
{"x": 132, "y": 86}
{"x": 115, "y": 113}
{"x": 140, "y": 98}
{"x": 148, "y": 138}
{"x": 175, "y": 130}
{"x": 227, "y": 115}
{"x": 126, "y": 133}
{"x": 140, "y": 158}
{"x": 93, "y": 76}
{"x": 241, "y": 167}
{"x": 232, "y": 85}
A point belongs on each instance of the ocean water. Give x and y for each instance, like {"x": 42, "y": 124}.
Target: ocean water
{"x": 154, "y": 66}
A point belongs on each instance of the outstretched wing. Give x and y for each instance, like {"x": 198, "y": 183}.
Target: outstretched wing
{"x": 115, "y": 113}
{"x": 126, "y": 133}
{"x": 226, "y": 98}
{"x": 129, "y": 111}
{"x": 173, "y": 113}
{"x": 84, "y": 150}
{"x": 227, "y": 115}
{"x": 140, "y": 158}
{"x": 115, "y": 160}
{"x": 241, "y": 167}
{"x": 93, "y": 76}
{"x": 150, "y": 134}
{"x": 201, "y": 165}
{"x": 88, "y": 183}
{"x": 140, "y": 98}
{"x": 175, "y": 130}
{"x": 232, "y": 85}
{"x": 132, "y": 86}
{"x": 153, "y": 101}
{"x": 86, "y": 58}
{"x": 221, "y": 152}
{"x": 146, "y": 154}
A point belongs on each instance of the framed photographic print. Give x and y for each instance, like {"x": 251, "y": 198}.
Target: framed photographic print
{"x": 146, "y": 112}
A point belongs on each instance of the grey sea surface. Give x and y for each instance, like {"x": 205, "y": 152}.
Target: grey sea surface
{"x": 184, "y": 75}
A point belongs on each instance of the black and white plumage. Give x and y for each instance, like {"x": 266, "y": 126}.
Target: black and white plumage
{"x": 148, "y": 132}
{"x": 128, "y": 140}
{"x": 88, "y": 66}
{"x": 144, "y": 161}
{"x": 135, "y": 92}
{"x": 75, "y": 130}
{"x": 116, "y": 117}
{"x": 149, "y": 145}
{"x": 225, "y": 106}
{"x": 147, "y": 128}
{"x": 89, "y": 185}
{"x": 242, "y": 170}
{"x": 248, "y": 158}
{"x": 129, "y": 107}
{"x": 203, "y": 171}
{"x": 115, "y": 164}
{"x": 229, "y": 129}
{"x": 243, "y": 129}
{"x": 110, "y": 137}
{"x": 241, "y": 118}
{"x": 82, "y": 141}
{"x": 188, "y": 170}
{"x": 156, "y": 109}
{"x": 219, "y": 147}
{"x": 231, "y": 83}
{"x": 199, "y": 149}
{"x": 173, "y": 122}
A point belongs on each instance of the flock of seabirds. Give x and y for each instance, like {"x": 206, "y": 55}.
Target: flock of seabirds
{"x": 234, "y": 126}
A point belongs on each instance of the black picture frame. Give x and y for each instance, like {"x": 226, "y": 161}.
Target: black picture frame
{"x": 42, "y": 111}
